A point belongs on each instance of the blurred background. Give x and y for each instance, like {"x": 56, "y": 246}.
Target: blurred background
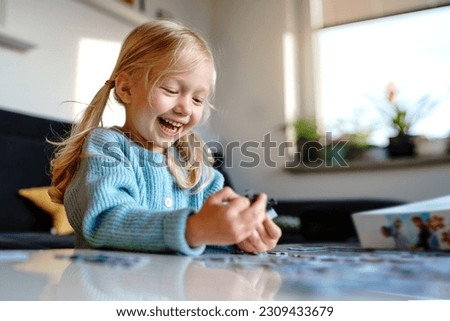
{"x": 359, "y": 68}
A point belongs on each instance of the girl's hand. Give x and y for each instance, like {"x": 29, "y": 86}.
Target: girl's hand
{"x": 264, "y": 238}
{"x": 227, "y": 218}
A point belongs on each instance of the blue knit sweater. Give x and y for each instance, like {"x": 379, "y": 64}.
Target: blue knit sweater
{"x": 124, "y": 197}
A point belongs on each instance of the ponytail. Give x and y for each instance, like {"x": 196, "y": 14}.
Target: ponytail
{"x": 68, "y": 152}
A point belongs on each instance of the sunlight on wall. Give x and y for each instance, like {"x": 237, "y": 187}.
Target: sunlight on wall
{"x": 96, "y": 60}
{"x": 290, "y": 79}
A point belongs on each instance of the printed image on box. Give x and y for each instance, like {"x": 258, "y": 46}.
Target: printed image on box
{"x": 416, "y": 226}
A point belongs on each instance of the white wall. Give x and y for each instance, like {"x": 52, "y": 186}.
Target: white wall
{"x": 247, "y": 38}
{"x": 193, "y": 13}
{"x": 38, "y": 81}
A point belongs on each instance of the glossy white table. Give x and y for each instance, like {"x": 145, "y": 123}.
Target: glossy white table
{"x": 293, "y": 273}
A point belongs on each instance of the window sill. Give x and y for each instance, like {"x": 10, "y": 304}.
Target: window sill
{"x": 370, "y": 165}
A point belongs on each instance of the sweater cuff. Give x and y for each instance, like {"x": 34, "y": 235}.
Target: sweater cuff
{"x": 175, "y": 232}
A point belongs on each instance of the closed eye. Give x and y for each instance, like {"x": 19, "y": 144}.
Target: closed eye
{"x": 170, "y": 91}
{"x": 198, "y": 101}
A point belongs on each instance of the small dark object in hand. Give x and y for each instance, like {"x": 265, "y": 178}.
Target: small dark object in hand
{"x": 271, "y": 202}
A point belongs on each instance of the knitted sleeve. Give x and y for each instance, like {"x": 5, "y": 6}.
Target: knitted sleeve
{"x": 215, "y": 185}
{"x": 103, "y": 202}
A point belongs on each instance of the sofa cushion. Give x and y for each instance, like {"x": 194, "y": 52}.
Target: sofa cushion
{"x": 39, "y": 197}
{"x": 25, "y": 163}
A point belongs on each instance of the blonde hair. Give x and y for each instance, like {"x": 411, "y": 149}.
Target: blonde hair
{"x": 161, "y": 45}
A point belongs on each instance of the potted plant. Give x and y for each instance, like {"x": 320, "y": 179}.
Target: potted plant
{"x": 402, "y": 120}
{"x": 354, "y": 135}
{"x": 307, "y": 140}
{"x": 358, "y": 144}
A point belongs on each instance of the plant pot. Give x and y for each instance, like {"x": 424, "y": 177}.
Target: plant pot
{"x": 430, "y": 147}
{"x": 401, "y": 145}
{"x": 309, "y": 151}
{"x": 336, "y": 153}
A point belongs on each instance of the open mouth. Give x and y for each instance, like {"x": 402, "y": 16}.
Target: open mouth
{"x": 169, "y": 127}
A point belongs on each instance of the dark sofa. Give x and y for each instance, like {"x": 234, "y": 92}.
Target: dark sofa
{"x": 25, "y": 163}
{"x": 325, "y": 220}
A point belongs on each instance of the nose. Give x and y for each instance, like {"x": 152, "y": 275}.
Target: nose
{"x": 183, "y": 106}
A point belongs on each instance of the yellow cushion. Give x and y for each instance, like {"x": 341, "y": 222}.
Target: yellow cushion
{"x": 39, "y": 197}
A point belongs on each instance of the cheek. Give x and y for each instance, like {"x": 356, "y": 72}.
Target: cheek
{"x": 155, "y": 105}
{"x": 196, "y": 116}
{"x": 160, "y": 104}
{"x": 144, "y": 112}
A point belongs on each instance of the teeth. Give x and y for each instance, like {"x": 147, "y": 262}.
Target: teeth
{"x": 173, "y": 123}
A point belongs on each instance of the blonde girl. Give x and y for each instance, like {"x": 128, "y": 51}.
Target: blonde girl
{"x": 149, "y": 185}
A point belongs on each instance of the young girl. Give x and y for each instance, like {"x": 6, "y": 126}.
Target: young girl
{"x": 148, "y": 185}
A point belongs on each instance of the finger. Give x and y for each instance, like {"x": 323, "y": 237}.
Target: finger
{"x": 261, "y": 201}
{"x": 256, "y": 242}
{"x": 248, "y": 247}
{"x": 256, "y": 213}
{"x": 239, "y": 203}
{"x": 264, "y": 238}
{"x": 272, "y": 230}
{"x": 224, "y": 195}
{"x": 245, "y": 246}
{"x": 269, "y": 234}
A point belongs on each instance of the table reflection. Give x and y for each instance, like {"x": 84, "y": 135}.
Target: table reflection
{"x": 112, "y": 276}
{"x": 325, "y": 272}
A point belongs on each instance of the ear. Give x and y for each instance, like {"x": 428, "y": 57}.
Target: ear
{"x": 123, "y": 87}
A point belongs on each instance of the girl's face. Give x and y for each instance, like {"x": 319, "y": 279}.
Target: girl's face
{"x": 176, "y": 106}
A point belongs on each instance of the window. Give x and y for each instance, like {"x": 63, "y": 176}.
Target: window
{"x": 96, "y": 60}
{"x": 356, "y": 61}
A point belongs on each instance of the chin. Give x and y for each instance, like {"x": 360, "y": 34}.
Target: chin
{"x": 163, "y": 145}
